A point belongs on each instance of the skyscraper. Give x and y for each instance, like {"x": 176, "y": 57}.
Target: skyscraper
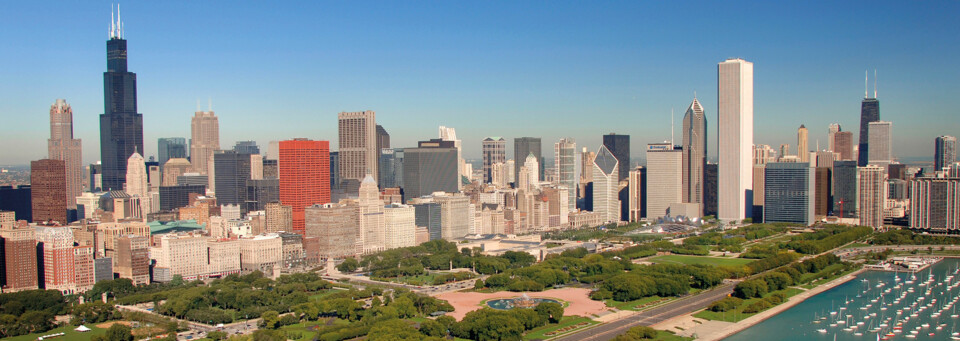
{"x": 383, "y": 138}
{"x": 62, "y": 146}
{"x": 121, "y": 126}
{"x": 664, "y": 178}
{"x": 606, "y": 186}
{"x": 358, "y": 145}
{"x": 431, "y": 167}
{"x": 231, "y": 172}
{"x": 843, "y": 144}
{"x": 48, "y": 190}
{"x": 565, "y": 162}
{"x": 935, "y": 204}
{"x": 304, "y": 176}
{"x": 871, "y": 188}
{"x": 869, "y": 112}
{"x": 945, "y": 152}
{"x": 494, "y": 151}
{"x": 171, "y": 148}
{"x": 845, "y": 188}
{"x": 523, "y": 146}
{"x": 637, "y": 184}
{"x": 803, "y": 150}
{"x": 694, "y": 153}
{"x": 205, "y": 140}
{"x": 881, "y": 143}
{"x": 789, "y": 193}
{"x": 137, "y": 185}
{"x": 450, "y": 134}
{"x": 247, "y": 147}
{"x": 735, "y": 125}
{"x": 372, "y": 231}
{"x": 619, "y": 146}
{"x": 18, "y": 255}
{"x": 832, "y": 130}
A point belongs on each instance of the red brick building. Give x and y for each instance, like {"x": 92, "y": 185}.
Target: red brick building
{"x": 48, "y": 183}
{"x": 304, "y": 176}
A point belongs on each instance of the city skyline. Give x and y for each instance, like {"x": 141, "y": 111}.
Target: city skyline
{"x": 521, "y": 83}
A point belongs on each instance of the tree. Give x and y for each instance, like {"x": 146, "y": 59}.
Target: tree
{"x": 478, "y": 284}
{"x": 394, "y": 330}
{"x": 217, "y": 335}
{"x": 119, "y": 332}
{"x": 269, "y": 335}
{"x": 270, "y": 319}
{"x": 432, "y": 328}
{"x": 552, "y": 312}
{"x": 638, "y": 333}
{"x": 446, "y": 321}
{"x": 348, "y": 265}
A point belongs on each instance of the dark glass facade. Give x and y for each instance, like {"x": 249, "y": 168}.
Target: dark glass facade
{"x": 788, "y": 193}
{"x": 121, "y": 126}
{"x": 171, "y": 148}
{"x": 523, "y": 146}
{"x": 231, "y": 172}
{"x": 869, "y": 112}
{"x": 619, "y": 146}
{"x": 845, "y": 189}
{"x": 430, "y": 168}
{"x": 710, "y": 188}
{"x": 17, "y": 199}
{"x": 172, "y": 197}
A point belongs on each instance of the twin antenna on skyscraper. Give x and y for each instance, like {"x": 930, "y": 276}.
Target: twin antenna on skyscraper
{"x": 865, "y": 82}
{"x": 116, "y": 26}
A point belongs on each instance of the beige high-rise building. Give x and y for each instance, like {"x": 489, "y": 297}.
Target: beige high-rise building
{"x": 606, "y": 200}
{"x": 872, "y": 191}
{"x": 832, "y": 131}
{"x": 172, "y": 169}
{"x": 205, "y": 140}
{"x": 803, "y": 149}
{"x": 763, "y": 154}
{"x": 195, "y": 256}
{"x": 279, "y": 217}
{"x": 373, "y": 236}
{"x": 358, "y": 145}
{"x": 62, "y": 146}
{"x": 262, "y": 253}
{"x": 735, "y": 131}
{"x": 500, "y": 175}
{"x": 664, "y": 178}
{"x": 136, "y": 185}
{"x": 256, "y": 166}
{"x": 635, "y": 196}
{"x": 132, "y": 258}
{"x": 336, "y": 227}
{"x": 455, "y": 215}
{"x": 881, "y": 143}
{"x": 399, "y": 226}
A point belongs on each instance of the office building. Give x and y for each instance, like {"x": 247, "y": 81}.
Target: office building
{"x": 121, "y": 126}
{"x": 372, "y": 231}
{"x": 427, "y": 216}
{"x": 694, "y": 153}
{"x": 304, "y": 176}
{"x": 664, "y": 178}
{"x": 62, "y": 146}
{"x": 171, "y": 148}
{"x": 619, "y": 146}
{"x": 565, "y": 161}
{"x": 529, "y": 174}
{"x": 204, "y": 141}
{"x": 174, "y": 168}
{"x": 710, "y": 189}
{"x": 823, "y": 200}
{"x": 523, "y": 146}
{"x": 48, "y": 191}
{"x": 450, "y": 134}
{"x": 935, "y": 204}
{"x": 606, "y": 189}
{"x": 803, "y": 149}
{"x": 262, "y": 253}
{"x": 455, "y": 215}
{"x": 881, "y": 143}
{"x": 871, "y": 189}
{"x": 399, "y": 226}
{"x": 945, "y": 152}
{"x": 358, "y": 151}
{"x": 172, "y": 197}
{"x": 391, "y": 168}
{"x": 735, "y": 130}
{"x": 843, "y": 145}
{"x": 96, "y": 176}
{"x": 383, "y": 138}
{"x": 832, "y": 131}
{"x": 431, "y": 167}
{"x": 637, "y": 186}
{"x": 336, "y": 227}
{"x": 789, "y": 193}
{"x": 845, "y": 188}
{"x": 137, "y": 186}
{"x": 763, "y": 154}
{"x": 869, "y": 112}
{"x": 18, "y": 255}
{"x": 260, "y": 193}
{"x": 494, "y": 151}
{"x": 231, "y": 172}
{"x": 132, "y": 260}
{"x": 246, "y": 147}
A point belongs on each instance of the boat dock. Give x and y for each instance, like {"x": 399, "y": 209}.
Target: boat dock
{"x": 904, "y": 264}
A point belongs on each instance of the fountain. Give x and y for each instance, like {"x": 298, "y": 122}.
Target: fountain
{"x": 523, "y": 301}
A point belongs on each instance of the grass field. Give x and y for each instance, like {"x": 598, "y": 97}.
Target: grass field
{"x": 737, "y": 315}
{"x": 540, "y": 333}
{"x": 71, "y": 335}
{"x": 691, "y": 260}
{"x": 663, "y": 335}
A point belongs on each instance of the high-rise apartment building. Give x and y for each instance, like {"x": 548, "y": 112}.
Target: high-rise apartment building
{"x": 694, "y": 153}
{"x": 48, "y": 191}
{"x": 789, "y": 193}
{"x": 843, "y": 145}
{"x": 935, "y": 204}
{"x": 619, "y": 146}
{"x": 56, "y": 259}
{"x": 637, "y": 203}
{"x": 18, "y": 255}
{"x": 664, "y": 178}
{"x": 881, "y": 143}
{"x": 565, "y": 161}
{"x": 606, "y": 189}
{"x": 204, "y": 140}
{"x": 279, "y": 217}
{"x": 171, "y": 148}
{"x": 494, "y": 151}
{"x": 735, "y": 125}
{"x": 763, "y": 154}
{"x": 845, "y": 188}
{"x": 945, "y": 152}
{"x": 132, "y": 258}
{"x": 871, "y": 188}
{"x": 399, "y": 226}
{"x": 803, "y": 149}
{"x": 358, "y": 149}
{"x": 304, "y": 177}
{"x": 832, "y": 131}
{"x": 523, "y": 146}
{"x": 121, "y": 126}
{"x": 62, "y": 146}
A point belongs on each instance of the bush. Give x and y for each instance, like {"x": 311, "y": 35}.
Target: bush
{"x": 725, "y": 304}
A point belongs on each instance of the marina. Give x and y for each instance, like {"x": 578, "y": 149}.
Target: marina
{"x": 877, "y": 305}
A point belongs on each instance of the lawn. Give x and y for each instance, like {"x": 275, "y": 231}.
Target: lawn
{"x": 632, "y": 305}
{"x": 663, "y": 335}
{"x": 692, "y": 260}
{"x": 71, "y": 335}
{"x": 307, "y": 335}
{"x": 568, "y": 321}
{"x": 426, "y": 279}
{"x": 737, "y": 315}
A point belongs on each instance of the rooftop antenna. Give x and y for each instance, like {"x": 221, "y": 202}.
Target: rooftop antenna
{"x": 112, "y": 21}
{"x": 874, "y": 83}
{"x": 865, "y": 75}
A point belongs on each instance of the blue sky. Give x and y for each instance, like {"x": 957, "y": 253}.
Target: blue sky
{"x": 513, "y": 68}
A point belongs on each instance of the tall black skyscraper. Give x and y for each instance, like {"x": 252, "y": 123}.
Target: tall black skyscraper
{"x": 121, "y": 126}
{"x": 231, "y": 172}
{"x": 522, "y": 147}
{"x": 869, "y": 112}
{"x": 619, "y": 146}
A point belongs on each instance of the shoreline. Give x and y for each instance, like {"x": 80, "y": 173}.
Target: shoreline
{"x": 773, "y": 311}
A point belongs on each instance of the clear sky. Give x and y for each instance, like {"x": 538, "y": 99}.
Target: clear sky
{"x": 487, "y": 68}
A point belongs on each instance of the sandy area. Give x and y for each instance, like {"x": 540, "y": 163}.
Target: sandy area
{"x": 689, "y": 326}
{"x": 106, "y": 325}
{"x": 577, "y": 299}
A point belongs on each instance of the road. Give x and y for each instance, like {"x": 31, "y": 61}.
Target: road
{"x": 659, "y": 314}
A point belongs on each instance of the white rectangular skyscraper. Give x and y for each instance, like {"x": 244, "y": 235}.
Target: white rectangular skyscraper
{"x": 735, "y": 135}
{"x": 881, "y": 143}
{"x": 664, "y": 178}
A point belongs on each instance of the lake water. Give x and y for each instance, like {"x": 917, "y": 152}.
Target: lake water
{"x": 857, "y": 307}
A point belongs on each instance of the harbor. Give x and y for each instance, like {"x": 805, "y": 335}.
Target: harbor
{"x": 904, "y": 264}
